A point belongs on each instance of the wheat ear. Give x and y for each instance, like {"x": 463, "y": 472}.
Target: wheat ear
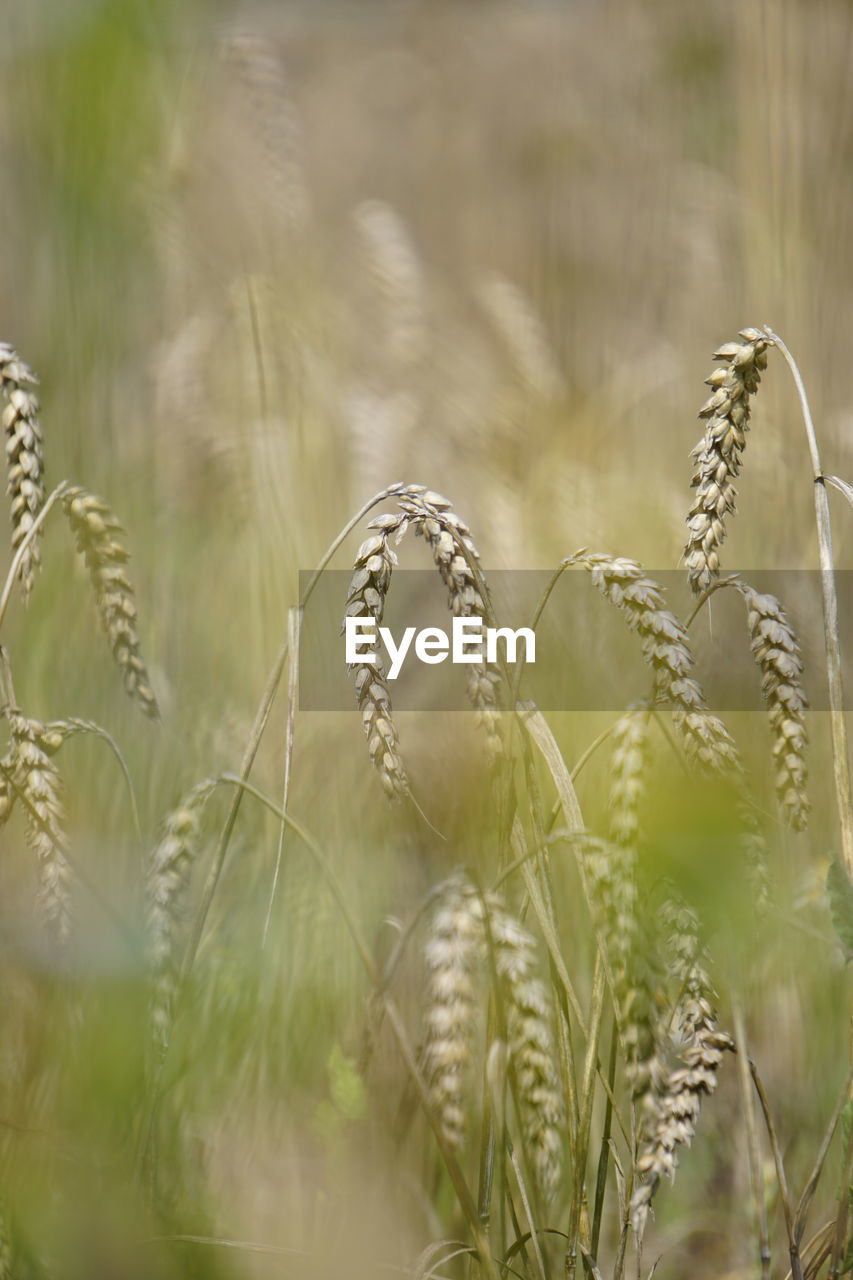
{"x": 167, "y": 891}
{"x": 777, "y": 652}
{"x": 719, "y": 453}
{"x": 368, "y": 590}
{"x": 701, "y": 1050}
{"x": 396, "y": 269}
{"x": 98, "y": 535}
{"x": 453, "y": 943}
{"x": 35, "y": 777}
{"x": 665, "y": 646}
{"x": 457, "y": 560}
{"x": 624, "y": 936}
{"x": 523, "y": 334}
{"x": 24, "y": 457}
{"x": 531, "y": 1047}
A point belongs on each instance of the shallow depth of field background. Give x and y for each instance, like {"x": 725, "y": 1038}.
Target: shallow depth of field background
{"x": 259, "y": 258}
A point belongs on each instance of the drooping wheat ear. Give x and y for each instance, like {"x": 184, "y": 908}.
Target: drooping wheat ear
{"x": 98, "y": 535}
{"x": 665, "y": 646}
{"x": 396, "y": 268}
{"x": 167, "y": 892}
{"x": 631, "y": 944}
{"x": 718, "y": 454}
{"x": 531, "y": 1046}
{"x": 777, "y": 652}
{"x": 454, "y": 553}
{"x": 701, "y": 1046}
{"x": 625, "y": 935}
{"x": 368, "y": 591}
{"x": 24, "y": 457}
{"x": 452, "y": 948}
{"x": 523, "y": 334}
{"x": 35, "y": 777}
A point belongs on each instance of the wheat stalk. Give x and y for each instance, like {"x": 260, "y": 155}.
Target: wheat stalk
{"x": 97, "y": 533}
{"x": 531, "y": 1047}
{"x": 24, "y": 457}
{"x": 718, "y": 455}
{"x": 457, "y": 560}
{"x": 628, "y": 762}
{"x": 396, "y": 268}
{"x": 665, "y": 646}
{"x": 777, "y": 652}
{"x": 368, "y": 590}
{"x": 167, "y": 891}
{"x": 273, "y": 121}
{"x": 624, "y": 934}
{"x": 701, "y": 1049}
{"x": 523, "y": 334}
{"x": 452, "y": 945}
{"x": 32, "y": 774}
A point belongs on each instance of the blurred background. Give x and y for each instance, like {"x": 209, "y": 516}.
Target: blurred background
{"x": 265, "y": 260}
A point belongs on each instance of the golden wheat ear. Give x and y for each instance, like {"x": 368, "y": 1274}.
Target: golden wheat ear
{"x": 701, "y": 1045}
{"x": 533, "y": 1056}
{"x": 719, "y": 454}
{"x": 368, "y": 590}
{"x": 450, "y": 954}
{"x": 777, "y": 654}
{"x": 29, "y": 773}
{"x": 24, "y": 457}
{"x": 167, "y": 894}
{"x": 98, "y": 535}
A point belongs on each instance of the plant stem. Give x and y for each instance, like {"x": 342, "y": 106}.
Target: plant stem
{"x": 832, "y": 644}
{"x": 24, "y": 544}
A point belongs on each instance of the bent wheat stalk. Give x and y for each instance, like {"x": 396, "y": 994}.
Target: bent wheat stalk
{"x": 832, "y": 643}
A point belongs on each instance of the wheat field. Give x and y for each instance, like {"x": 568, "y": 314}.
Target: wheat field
{"x": 303, "y": 306}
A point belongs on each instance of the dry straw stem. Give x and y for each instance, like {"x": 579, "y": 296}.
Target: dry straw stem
{"x": 777, "y": 652}
{"x": 22, "y": 551}
{"x": 35, "y": 777}
{"x": 719, "y": 453}
{"x": 98, "y": 535}
{"x": 24, "y": 457}
{"x": 701, "y": 1047}
{"x": 832, "y": 643}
